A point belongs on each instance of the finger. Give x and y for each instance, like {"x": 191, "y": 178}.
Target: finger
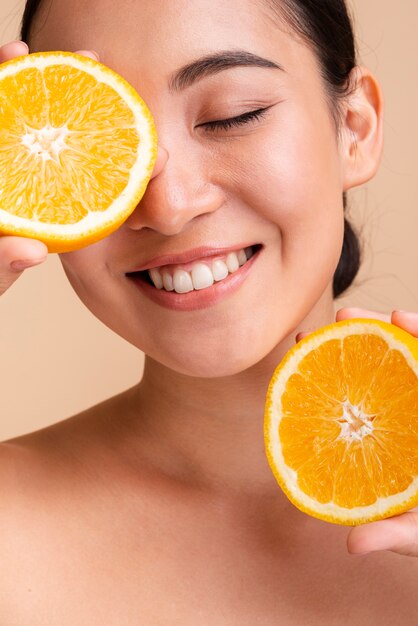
{"x": 89, "y": 53}
{"x": 406, "y": 320}
{"x": 13, "y": 49}
{"x": 16, "y": 254}
{"x": 347, "y": 313}
{"x": 397, "y": 534}
{"x": 301, "y": 335}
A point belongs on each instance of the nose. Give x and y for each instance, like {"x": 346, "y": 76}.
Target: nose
{"x": 177, "y": 193}
{"x": 162, "y": 156}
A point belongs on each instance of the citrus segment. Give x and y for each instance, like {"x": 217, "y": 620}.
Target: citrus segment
{"x": 361, "y": 357}
{"x": 324, "y": 366}
{"x": 302, "y": 398}
{"x": 341, "y": 422}
{"x": 395, "y": 414}
{"x": 392, "y": 380}
{"x": 77, "y": 149}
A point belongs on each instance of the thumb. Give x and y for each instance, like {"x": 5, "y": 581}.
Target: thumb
{"x": 16, "y": 254}
{"x": 397, "y": 534}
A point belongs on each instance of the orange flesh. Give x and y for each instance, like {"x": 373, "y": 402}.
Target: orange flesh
{"x": 94, "y": 165}
{"x": 382, "y": 385}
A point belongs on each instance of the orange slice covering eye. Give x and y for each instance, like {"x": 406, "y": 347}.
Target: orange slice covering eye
{"x": 77, "y": 149}
{"x": 341, "y": 422}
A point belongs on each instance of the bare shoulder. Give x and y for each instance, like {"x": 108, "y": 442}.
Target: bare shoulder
{"x": 16, "y": 463}
{"x": 26, "y": 462}
{"x": 22, "y": 477}
{"x": 17, "y": 498}
{"x": 37, "y": 466}
{"x": 8, "y": 461}
{"x": 27, "y": 457}
{"x": 28, "y": 515}
{"x": 64, "y": 489}
{"x": 46, "y": 477}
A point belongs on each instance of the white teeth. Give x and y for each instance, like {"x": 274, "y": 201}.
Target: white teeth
{"x": 242, "y": 257}
{"x": 156, "y": 278}
{"x": 232, "y": 262}
{"x": 219, "y": 270}
{"x": 182, "y": 281}
{"x": 202, "y": 277}
{"x": 168, "y": 281}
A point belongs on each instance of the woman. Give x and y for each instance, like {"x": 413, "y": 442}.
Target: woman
{"x": 157, "y": 506}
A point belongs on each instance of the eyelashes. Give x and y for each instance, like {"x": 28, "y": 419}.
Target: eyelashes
{"x": 240, "y": 120}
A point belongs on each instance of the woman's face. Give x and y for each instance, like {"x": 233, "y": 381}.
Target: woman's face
{"x": 276, "y": 181}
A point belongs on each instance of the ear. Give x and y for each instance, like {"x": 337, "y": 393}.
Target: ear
{"x": 362, "y": 129}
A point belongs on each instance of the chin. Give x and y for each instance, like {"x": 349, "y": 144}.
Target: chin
{"x": 207, "y": 364}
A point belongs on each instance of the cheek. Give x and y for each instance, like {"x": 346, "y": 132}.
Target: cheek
{"x": 290, "y": 175}
{"x": 87, "y": 273}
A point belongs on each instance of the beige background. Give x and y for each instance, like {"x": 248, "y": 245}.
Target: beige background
{"x": 56, "y": 358}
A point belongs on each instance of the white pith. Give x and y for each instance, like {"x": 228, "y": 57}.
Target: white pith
{"x": 203, "y": 273}
{"x": 355, "y": 425}
{"x": 48, "y": 143}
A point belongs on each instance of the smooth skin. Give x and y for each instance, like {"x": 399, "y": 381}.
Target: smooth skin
{"x": 157, "y": 506}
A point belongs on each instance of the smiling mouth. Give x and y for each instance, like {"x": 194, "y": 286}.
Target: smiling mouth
{"x": 199, "y": 275}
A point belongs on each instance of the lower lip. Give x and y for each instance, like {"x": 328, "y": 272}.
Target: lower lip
{"x": 202, "y": 298}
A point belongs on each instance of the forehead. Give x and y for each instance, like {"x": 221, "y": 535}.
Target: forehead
{"x": 154, "y": 31}
{"x": 148, "y": 17}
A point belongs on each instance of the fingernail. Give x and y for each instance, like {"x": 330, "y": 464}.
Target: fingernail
{"x": 96, "y": 54}
{"x": 409, "y": 314}
{"x": 21, "y": 42}
{"x": 23, "y": 265}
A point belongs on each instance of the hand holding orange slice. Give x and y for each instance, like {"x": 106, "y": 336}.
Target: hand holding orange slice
{"x": 78, "y": 147}
{"x": 341, "y": 422}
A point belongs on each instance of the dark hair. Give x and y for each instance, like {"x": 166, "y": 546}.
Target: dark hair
{"x": 326, "y": 27}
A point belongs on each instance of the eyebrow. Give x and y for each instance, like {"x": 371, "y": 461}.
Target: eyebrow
{"x": 214, "y": 63}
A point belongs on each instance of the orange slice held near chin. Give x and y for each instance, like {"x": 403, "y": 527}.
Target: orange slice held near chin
{"x": 341, "y": 422}
{"x": 78, "y": 147}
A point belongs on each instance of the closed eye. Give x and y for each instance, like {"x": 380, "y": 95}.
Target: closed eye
{"x": 245, "y": 118}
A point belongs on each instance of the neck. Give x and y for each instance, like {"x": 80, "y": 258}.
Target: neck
{"x": 209, "y": 431}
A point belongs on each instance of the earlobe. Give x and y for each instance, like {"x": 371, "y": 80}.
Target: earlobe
{"x": 362, "y": 132}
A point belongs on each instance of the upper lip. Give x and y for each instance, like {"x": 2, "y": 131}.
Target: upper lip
{"x": 188, "y": 256}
